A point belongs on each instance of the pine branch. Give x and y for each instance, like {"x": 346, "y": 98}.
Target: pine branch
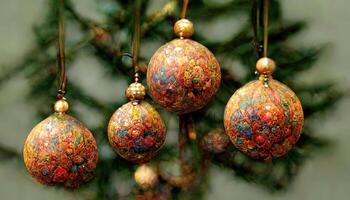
{"x": 8, "y": 153}
{"x": 275, "y": 176}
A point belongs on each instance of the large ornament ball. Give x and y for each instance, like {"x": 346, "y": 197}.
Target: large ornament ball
{"x": 146, "y": 177}
{"x": 264, "y": 122}
{"x": 183, "y": 76}
{"x": 136, "y": 131}
{"x": 60, "y": 150}
{"x": 215, "y": 141}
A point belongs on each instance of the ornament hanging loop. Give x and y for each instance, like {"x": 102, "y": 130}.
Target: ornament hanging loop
{"x": 266, "y": 5}
{"x": 261, "y": 47}
{"x": 61, "y": 105}
{"x": 183, "y": 28}
{"x": 136, "y": 91}
{"x": 265, "y": 66}
{"x": 61, "y": 53}
{"x": 184, "y": 9}
{"x": 136, "y": 40}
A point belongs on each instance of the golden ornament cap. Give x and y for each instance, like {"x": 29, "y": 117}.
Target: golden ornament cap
{"x": 183, "y": 28}
{"x": 265, "y": 66}
{"x": 61, "y": 106}
{"x": 136, "y": 91}
{"x": 146, "y": 177}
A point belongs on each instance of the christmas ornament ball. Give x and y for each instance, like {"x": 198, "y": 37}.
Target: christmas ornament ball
{"x": 60, "y": 150}
{"x": 215, "y": 141}
{"x": 264, "y": 122}
{"x": 183, "y": 76}
{"x": 145, "y": 176}
{"x": 136, "y": 131}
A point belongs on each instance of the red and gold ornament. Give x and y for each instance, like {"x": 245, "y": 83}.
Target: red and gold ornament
{"x": 60, "y": 150}
{"x": 183, "y": 75}
{"x": 136, "y": 130}
{"x": 215, "y": 141}
{"x": 264, "y": 118}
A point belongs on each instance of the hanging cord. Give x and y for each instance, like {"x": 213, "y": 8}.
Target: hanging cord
{"x": 184, "y": 9}
{"x": 266, "y": 26}
{"x": 260, "y": 47}
{"x": 136, "y": 40}
{"x": 61, "y": 54}
{"x": 264, "y": 66}
{"x": 256, "y": 24}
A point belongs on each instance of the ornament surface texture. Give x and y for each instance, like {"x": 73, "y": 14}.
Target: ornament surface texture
{"x": 136, "y": 131}
{"x": 264, "y": 122}
{"x": 183, "y": 76}
{"x": 60, "y": 150}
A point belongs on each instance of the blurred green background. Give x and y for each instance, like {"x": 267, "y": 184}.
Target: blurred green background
{"x": 324, "y": 177}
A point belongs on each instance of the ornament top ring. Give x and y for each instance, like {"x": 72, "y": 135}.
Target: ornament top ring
{"x": 183, "y": 75}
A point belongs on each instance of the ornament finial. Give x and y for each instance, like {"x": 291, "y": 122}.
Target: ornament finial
{"x": 183, "y": 28}
{"x": 265, "y": 67}
{"x": 61, "y": 106}
{"x": 135, "y": 92}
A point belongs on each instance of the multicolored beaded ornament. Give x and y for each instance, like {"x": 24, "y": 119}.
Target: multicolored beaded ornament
{"x": 183, "y": 75}
{"x": 136, "y": 130}
{"x": 60, "y": 150}
{"x": 264, "y": 118}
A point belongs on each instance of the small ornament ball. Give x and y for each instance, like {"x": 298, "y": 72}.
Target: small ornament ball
{"x": 183, "y": 28}
{"x": 61, "y": 106}
{"x": 136, "y": 131}
{"x": 265, "y": 66}
{"x": 60, "y": 150}
{"x": 215, "y": 141}
{"x": 264, "y": 122}
{"x": 135, "y": 91}
{"x": 146, "y": 177}
{"x": 183, "y": 76}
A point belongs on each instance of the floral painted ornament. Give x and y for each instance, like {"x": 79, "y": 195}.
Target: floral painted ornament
{"x": 215, "y": 141}
{"x": 60, "y": 150}
{"x": 183, "y": 75}
{"x": 136, "y": 130}
{"x": 264, "y": 118}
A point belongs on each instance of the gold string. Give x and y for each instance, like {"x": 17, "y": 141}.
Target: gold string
{"x": 266, "y": 26}
{"x": 136, "y": 39}
{"x": 184, "y": 9}
{"x": 61, "y": 54}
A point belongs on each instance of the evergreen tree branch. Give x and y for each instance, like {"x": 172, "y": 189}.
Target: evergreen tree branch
{"x": 8, "y": 153}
